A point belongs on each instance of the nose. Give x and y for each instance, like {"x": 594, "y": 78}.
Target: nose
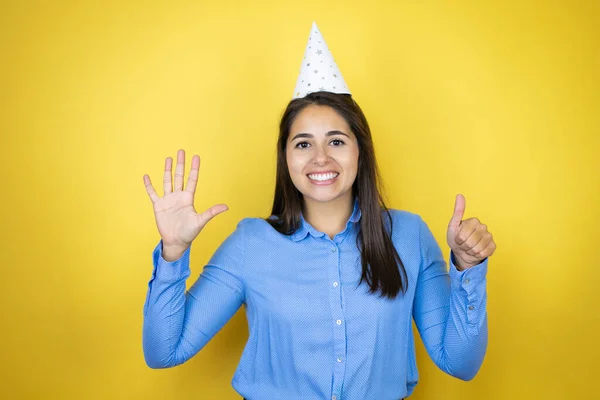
{"x": 321, "y": 155}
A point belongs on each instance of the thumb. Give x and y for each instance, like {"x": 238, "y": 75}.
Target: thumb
{"x": 211, "y": 213}
{"x": 459, "y": 211}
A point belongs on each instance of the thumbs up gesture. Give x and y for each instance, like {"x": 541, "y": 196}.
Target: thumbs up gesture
{"x": 469, "y": 240}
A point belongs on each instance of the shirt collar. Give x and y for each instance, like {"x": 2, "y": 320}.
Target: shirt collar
{"x": 306, "y": 228}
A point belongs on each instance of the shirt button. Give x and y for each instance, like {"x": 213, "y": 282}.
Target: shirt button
{"x": 333, "y": 397}
{"x": 471, "y": 308}
{"x": 333, "y": 250}
{"x": 339, "y": 359}
{"x": 467, "y": 281}
{"x": 339, "y": 322}
{"x": 335, "y": 284}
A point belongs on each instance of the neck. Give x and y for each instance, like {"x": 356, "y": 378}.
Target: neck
{"x": 329, "y": 217}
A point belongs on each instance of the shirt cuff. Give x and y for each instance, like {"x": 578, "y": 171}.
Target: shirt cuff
{"x": 468, "y": 277}
{"x": 170, "y": 270}
{"x": 469, "y": 286}
{"x": 165, "y": 273}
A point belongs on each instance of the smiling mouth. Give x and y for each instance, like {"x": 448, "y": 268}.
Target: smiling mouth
{"x": 323, "y": 177}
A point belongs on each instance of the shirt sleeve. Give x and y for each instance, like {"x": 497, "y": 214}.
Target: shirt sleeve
{"x": 450, "y": 310}
{"x": 179, "y": 323}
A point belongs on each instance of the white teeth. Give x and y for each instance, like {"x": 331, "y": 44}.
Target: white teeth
{"x": 323, "y": 177}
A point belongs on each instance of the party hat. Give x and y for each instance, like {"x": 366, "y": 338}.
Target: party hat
{"x": 318, "y": 72}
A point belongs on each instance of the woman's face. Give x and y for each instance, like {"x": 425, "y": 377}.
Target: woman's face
{"x": 322, "y": 154}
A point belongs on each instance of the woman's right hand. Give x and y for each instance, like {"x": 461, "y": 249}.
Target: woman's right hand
{"x": 176, "y": 219}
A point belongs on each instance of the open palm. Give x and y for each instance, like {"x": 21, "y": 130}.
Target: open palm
{"x": 177, "y": 221}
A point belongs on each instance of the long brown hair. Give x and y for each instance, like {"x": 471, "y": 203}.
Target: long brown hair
{"x": 382, "y": 268}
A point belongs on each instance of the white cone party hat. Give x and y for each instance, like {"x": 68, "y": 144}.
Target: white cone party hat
{"x": 319, "y": 71}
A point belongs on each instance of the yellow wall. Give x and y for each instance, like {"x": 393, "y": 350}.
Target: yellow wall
{"x": 498, "y": 101}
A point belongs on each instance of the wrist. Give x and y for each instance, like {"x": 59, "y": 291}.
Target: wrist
{"x": 459, "y": 264}
{"x": 173, "y": 252}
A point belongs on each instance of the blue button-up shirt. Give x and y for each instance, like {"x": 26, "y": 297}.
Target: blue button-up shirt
{"x": 313, "y": 332}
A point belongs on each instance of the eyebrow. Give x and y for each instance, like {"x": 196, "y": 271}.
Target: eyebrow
{"x": 310, "y": 135}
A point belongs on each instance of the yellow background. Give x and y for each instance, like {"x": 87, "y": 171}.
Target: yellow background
{"x": 497, "y": 100}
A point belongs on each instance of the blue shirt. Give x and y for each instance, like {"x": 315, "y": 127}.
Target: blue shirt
{"x": 313, "y": 333}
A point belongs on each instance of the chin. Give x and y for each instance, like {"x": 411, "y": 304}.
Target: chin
{"x": 324, "y": 197}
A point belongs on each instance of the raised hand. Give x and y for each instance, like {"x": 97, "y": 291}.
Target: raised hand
{"x": 469, "y": 240}
{"x": 176, "y": 219}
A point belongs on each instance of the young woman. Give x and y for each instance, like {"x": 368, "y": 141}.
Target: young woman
{"x": 330, "y": 281}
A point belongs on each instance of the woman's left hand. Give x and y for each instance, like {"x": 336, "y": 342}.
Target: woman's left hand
{"x": 469, "y": 240}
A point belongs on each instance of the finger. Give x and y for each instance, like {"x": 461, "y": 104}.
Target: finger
{"x": 481, "y": 244}
{"x": 211, "y": 213}
{"x": 167, "y": 176}
{"x": 193, "y": 178}
{"x": 459, "y": 211}
{"x": 467, "y": 228}
{"x": 150, "y": 189}
{"x": 488, "y": 251}
{"x": 179, "y": 168}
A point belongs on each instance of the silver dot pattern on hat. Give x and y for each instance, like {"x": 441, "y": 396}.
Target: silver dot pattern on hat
{"x": 325, "y": 78}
